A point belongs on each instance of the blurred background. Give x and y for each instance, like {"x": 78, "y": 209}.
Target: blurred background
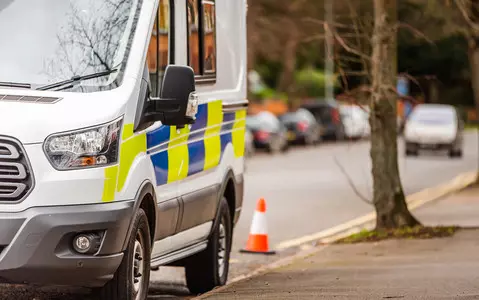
{"x": 293, "y": 64}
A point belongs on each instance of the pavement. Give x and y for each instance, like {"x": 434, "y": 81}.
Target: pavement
{"x": 440, "y": 268}
{"x": 307, "y": 192}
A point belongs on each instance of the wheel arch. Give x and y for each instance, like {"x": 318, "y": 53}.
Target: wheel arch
{"x": 227, "y": 190}
{"x": 146, "y": 200}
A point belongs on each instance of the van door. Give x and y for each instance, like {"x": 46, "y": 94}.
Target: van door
{"x": 160, "y": 137}
{"x": 202, "y": 143}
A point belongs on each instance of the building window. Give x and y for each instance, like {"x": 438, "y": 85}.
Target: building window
{"x": 202, "y": 37}
{"x": 158, "y": 56}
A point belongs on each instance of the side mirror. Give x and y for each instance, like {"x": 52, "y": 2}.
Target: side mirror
{"x": 178, "y": 102}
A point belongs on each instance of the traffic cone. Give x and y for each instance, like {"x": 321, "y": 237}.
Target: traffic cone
{"x": 258, "y": 237}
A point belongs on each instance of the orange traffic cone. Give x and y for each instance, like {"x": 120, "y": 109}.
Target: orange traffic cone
{"x": 258, "y": 237}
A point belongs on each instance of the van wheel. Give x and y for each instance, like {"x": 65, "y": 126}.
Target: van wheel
{"x": 209, "y": 268}
{"x": 132, "y": 278}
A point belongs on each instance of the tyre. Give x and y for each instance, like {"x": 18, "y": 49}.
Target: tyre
{"x": 319, "y": 139}
{"x": 275, "y": 146}
{"x": 339, "y": 135}
{"x": 412, "y": 149}
{"x": 285, "y": 148}
{"x": 410, "y": 152}
{"x": 209, "y": 268}
{"x": 308, "y": 140}
{"x": 132, "y": 277}
{"x": 453, "y": 153}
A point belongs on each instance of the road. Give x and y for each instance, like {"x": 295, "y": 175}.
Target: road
{"x": 307, "y": 192}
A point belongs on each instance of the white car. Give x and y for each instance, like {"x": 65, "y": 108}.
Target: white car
{"x": 434, "y": 127}
{"x": 355, "y": 120}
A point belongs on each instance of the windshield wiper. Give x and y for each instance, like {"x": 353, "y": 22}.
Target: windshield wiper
{"x": 16, "y": 84}
{"x": 76, "y": 79}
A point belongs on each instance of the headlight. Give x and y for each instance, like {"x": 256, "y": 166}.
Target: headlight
{"x": 92, "y": 147}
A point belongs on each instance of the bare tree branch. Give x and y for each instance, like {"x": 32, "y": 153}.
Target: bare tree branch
{"x": 351, "y": 183}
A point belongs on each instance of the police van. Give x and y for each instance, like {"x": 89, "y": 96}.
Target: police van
{"x": 122, "y": 138}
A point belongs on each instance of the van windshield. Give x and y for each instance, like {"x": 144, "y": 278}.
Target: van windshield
{"x": 46, "y": 41}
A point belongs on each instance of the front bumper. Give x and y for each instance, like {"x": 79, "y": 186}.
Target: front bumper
{"x": 36, "y": 244}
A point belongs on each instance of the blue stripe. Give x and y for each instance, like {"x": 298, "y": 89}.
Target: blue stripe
{"x": 196, "y": 144}
{"x": 229, "y": 117}
{"x": 196, "y": 152}
{"x": 226, "y": 138}
{"x": 160, "y": 162}
{"x": 201, "y": 118}
{"x": 157, "y": 136}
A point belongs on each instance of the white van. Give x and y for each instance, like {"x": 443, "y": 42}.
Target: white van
{"x": 122, "y": 126}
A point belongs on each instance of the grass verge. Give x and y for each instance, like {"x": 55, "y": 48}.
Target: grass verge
{"x": 417, "y": 232}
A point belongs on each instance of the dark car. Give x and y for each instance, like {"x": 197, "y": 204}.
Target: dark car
{"x": 302, "y": 127}
{"x": 327, "y": 114}
{"x": 268, "y": 132}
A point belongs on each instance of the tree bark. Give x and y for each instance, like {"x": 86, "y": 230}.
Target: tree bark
{"x": 254, "y": 11}
{"x": 388, "y": 195}
{"x": 289, "y": 59}
{"x": 473, "y": 54}
{"x": 474, "y": 65}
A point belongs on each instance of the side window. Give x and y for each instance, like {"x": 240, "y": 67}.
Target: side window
{"x": 202, "y": 37}
{"x": 209, "y": 34}
{"x": 164, "y": 32}
{"x": 152, "y": 59}
{"x": 194, "y": 36}
{"x": 158, "y": 56}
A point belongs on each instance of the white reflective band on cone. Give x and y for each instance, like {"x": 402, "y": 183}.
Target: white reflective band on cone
{"x": 259, "y": 225}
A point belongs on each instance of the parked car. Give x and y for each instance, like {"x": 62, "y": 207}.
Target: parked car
{"x": 434, "y": 127}
{"x": 327, "y": 114}
{"x": 268, "y": 132}
{"x": 302, "y": 127}
{"x": 355, "y": 120}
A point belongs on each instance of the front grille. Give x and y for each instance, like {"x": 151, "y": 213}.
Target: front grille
{"x": 16, "y": 178}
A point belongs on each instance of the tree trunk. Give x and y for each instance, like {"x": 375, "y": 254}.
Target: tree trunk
{"x": 289, "y": 59}
{"x": 253, "y": 37}
{"x": 473, "y": 55}
{"x": 389, "y": 200}
{"x": 433, "y": 91}
{"x": 254, "y": 11}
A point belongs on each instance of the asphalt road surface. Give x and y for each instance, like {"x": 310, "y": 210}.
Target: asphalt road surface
{"x": 306, "y": 191}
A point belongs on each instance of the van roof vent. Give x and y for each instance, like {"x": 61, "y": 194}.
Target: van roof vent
{"x": 29, "y": 99}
